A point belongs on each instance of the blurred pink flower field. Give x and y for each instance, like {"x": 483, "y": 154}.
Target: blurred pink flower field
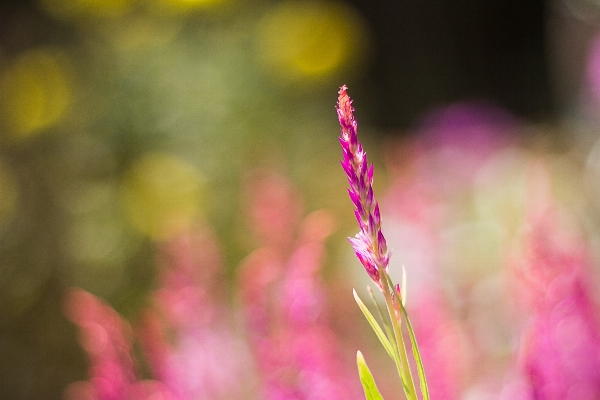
{"x": 518, "y": 319}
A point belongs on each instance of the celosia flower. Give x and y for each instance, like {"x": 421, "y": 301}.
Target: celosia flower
{"x": 559, "y": 354}
{"x": 369, "y": 244}
{"x": 187, "y": 337}
{"x": 106, "y": 337}
{"x": 284, "y": 299}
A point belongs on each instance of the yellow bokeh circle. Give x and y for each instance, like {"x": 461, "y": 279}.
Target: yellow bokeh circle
{"x": 187, "y": 5}
{"x": 161, "y": 195}
{"x": 35, "y": 92}
{"x": 299, "y": 40}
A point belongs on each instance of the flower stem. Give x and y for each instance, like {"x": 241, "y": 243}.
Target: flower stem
{"x": 402, "y": 363}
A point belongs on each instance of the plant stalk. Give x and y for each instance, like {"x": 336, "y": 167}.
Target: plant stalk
{"x": 404, "y": 368}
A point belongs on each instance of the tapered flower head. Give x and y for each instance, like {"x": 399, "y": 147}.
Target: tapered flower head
{"x": 369, "y": 244}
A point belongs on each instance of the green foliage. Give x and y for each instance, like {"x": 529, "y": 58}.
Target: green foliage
{"x": 366, "y": 378}
{"x": 378, "y": 331}
{"x": 392, "y": 340}
{"x": 417, "y": 355}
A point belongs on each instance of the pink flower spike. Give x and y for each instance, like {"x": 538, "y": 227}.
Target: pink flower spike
{"x": 365, "y": 257}
{"x": 359, "y": 219}
{"x": 377, "y": 214}
{"x": 370, "y": 245}
{"x": 355, "y": 199}
{"x": 382, "y": 249}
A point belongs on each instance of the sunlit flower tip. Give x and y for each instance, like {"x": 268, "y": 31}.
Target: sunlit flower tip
{"x": 345, "y": 112}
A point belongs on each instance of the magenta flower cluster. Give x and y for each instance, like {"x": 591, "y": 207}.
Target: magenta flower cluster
{"x": 369, "y": 244}
{"x": 187, "y": 335}
{"x": 284, "y": 299}
{"x": 107, "y": 340}
{"x": 559, "y": 354}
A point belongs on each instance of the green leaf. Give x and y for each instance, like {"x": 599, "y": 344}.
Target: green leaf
{"x": 378, "y": 331}
{"x": 393, "y": 343}
{"x": 417, "y": 355}
{"x": 388, "y": 330}
{"x": 368, "y": 383}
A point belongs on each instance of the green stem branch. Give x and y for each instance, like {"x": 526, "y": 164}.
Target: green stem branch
{"x": 403, "y": 365}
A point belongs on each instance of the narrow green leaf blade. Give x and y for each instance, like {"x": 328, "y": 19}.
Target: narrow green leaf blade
{"x": 368, "y": 383}
{"x": 378, "y": 331}
{"x": 417, "y": 355}
{"x": 386, "y": 325}
{"x": 390, "y": 334}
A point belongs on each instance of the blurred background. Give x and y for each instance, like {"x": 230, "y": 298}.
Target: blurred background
{"x": 173, "y": 216}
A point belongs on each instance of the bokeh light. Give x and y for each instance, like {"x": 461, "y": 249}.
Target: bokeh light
{"x": 306, "y": 41}
{"x": 161, "y": 194}
{"x": 35, "y": 92}
{"x": 183, "y": 6}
